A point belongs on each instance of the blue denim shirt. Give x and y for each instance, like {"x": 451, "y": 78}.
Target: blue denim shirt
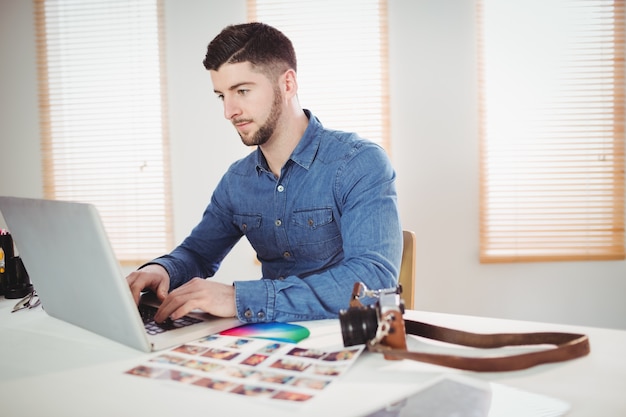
{"x": 330, "y": 220}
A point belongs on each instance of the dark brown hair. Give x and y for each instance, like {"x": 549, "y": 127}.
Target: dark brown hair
{"x": 266, "y": 48}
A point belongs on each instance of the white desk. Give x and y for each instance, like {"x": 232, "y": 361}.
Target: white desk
{"x": 50, "y": 368}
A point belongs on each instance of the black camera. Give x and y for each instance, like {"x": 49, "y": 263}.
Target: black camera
{"x": 381, "y": 322}
{"x": 14, "y": 280}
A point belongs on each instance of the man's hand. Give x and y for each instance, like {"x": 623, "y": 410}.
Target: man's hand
{"x": 211, "y": 297}
{"x": 151, "y": 277}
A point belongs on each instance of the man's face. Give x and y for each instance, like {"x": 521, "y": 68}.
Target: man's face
{"x": 252, "y": 102}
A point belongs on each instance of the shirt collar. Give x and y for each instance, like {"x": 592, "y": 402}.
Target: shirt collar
{"x": 305, "y": 151}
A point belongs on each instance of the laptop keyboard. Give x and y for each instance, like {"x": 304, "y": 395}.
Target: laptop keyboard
{"x": 147, "y": 313}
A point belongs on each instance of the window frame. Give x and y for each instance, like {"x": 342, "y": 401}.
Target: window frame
{"x": 143, "y": 229}
{"x": 509, "y": 232}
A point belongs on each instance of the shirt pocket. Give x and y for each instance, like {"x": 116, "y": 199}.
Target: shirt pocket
{"x": 250, "y": 226}
{"x": 317, "y": 234}
{"x": 247, "y": 223}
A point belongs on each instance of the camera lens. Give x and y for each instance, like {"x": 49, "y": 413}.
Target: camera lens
{"x": 358, "y": 325}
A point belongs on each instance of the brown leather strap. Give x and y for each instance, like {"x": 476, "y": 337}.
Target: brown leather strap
{"x": 566, "y": 346}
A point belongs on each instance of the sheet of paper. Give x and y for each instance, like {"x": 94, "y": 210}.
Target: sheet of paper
{"x": 250, "y": 367}
{"x": 467, "y": 397}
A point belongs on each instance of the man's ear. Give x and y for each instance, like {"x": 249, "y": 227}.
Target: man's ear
{"x": 290, "y": 83}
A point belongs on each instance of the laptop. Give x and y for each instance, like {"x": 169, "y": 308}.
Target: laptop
{"x": 70, "y": 262}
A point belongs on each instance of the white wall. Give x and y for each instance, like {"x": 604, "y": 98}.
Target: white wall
{"x": 434, "y": 150}
{"x": 203, "y": 144}
{"x": 20, "y": 161}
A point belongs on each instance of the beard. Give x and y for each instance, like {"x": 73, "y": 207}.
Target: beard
{"x": 266, "y": 131}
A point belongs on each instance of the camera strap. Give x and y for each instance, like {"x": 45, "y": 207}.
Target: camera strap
{"x": 564, "y": 346}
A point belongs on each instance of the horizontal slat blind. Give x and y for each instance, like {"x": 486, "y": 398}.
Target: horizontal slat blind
{"x": 342, "y": 59}
{"x": 552, "y": 130}
{"x": 103, "y": 121}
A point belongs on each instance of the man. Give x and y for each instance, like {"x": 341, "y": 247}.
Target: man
{"x": 318, "y": 206}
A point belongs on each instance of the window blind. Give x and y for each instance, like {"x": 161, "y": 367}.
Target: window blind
{"x": 103, "y": 119}
{"x": 551, "y": 130}
{"x": 342, "y": 59}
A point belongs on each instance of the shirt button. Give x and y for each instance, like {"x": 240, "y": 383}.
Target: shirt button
{"x": 280, "y": 188}
{"x": 278, "y": 222}
{"x": 260, "y": 314}
{"x": 248, "y": 314}
{"x": 286, "y": 254}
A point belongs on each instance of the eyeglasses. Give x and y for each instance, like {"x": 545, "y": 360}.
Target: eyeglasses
{"x": 31, "y": 300}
